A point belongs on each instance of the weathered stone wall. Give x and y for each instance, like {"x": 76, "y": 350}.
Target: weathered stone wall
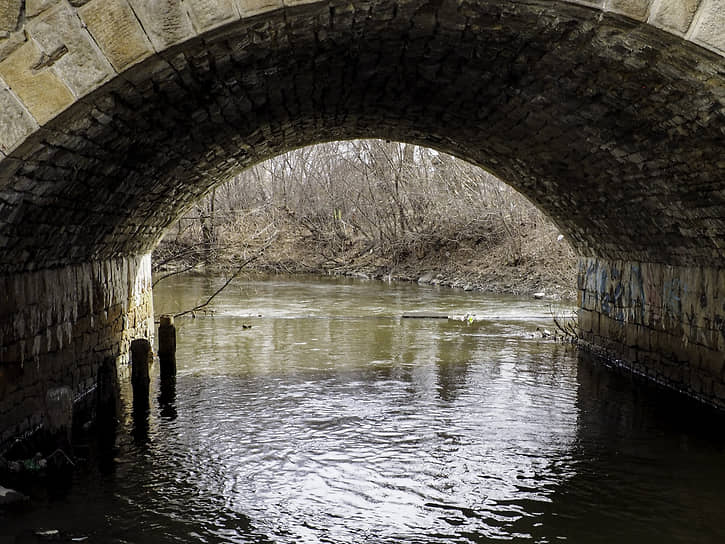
{"x": 57, "y": 326}
{"x": 664, "y": 322}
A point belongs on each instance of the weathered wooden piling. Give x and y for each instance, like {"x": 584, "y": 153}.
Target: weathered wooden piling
{"x": 107, "y": 391}
{"x": 167, "y": 346}
{"x": 142, "y": 357}
{"x": 59, "y": 415}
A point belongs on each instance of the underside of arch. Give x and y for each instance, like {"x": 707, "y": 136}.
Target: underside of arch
{"x": 613, "y": 128}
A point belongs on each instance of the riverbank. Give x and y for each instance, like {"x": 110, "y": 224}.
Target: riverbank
{"x": 376, "y": 209}
{"x": 538, "y": 261}
{"x": 471, "y": 268}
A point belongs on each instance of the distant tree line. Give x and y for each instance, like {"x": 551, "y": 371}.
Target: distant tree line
{"x": 346, "y": 198}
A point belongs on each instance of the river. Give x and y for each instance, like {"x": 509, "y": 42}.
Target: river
{"x": 309, "y": 411}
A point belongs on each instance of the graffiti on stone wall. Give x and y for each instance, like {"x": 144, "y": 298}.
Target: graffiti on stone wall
{"x": 673, "y": 291}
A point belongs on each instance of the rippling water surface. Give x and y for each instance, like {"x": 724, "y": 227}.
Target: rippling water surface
{"x": 334, "y": 420}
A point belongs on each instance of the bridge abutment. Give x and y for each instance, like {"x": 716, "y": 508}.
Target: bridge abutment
{"x": 664, "y": 322}
{"x": 56, "y": 328}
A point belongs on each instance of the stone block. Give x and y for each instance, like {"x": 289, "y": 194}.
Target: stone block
{"x": 585, "y": 320}
{"x": 11, "y": 354}
{"x": 634, "y": 337}
{"x": 42, "y": 91}
{"x": 11, "y": 43}
{"x": 166, "y": 21}
{"x": 69, "y": 50}
{"x": 17, "y": 121}
{"x": 59, "y": 411}
{"x": 208, "y": 14}
{"x": 604, "y": 325}
{"x": 719, "y": 391}
{"x": 708, "y": 28}
{"x": 247, "y": 8}
{"x": 589, "y": 3}
{"x": 9, "y": 14}
{"x": 636, "y": 9}
{"x": 712, "y": 362}
{"x": 618, "y": 332}
{"x": 117, "y": 32}
{"x": 35, "y": 7}
{"x": 298, "y": 2}
{"x": 632, "y": 355}
{"x": 694, "y": 379}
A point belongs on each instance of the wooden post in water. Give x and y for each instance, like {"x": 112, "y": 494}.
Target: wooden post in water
{"x": 167, "y": 346}
{"x": 107, "y": 392}
{"x": 142, "y": 356}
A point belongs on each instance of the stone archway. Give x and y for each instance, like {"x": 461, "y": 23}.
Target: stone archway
{"x": 118, "y": 115}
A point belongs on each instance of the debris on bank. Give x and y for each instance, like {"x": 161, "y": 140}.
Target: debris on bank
{"x": 10, "y": 497}
{"x": 467, "y": 318}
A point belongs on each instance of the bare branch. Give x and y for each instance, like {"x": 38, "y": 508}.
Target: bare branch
{"x": 238, "y": 271}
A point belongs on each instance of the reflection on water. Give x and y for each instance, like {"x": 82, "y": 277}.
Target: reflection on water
{"x": 167, "y": 397}
{"x": 332, "y": 420}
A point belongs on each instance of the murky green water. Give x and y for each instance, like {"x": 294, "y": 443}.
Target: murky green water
{"x": 333, "y": 420}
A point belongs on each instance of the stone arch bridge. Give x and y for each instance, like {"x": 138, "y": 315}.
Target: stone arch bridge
{"x": 116, "y": 115}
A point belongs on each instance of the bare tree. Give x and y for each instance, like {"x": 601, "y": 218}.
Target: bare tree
{"x": 344, "y": 199}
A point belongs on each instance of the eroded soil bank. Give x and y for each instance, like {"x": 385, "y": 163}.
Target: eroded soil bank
{"x": 536, "y": 261}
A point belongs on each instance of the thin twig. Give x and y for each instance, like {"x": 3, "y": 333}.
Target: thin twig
{"x": 566, "y": 325}
{"x": 229, "y": 280}
{"x": 190, "y": 267}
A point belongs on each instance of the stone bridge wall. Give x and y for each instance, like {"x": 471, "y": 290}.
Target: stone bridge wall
{"x": 663, "y": 322}
{"x": 57, "y": 326}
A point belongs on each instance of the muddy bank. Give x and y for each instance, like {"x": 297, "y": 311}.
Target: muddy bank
{"x": 535, "y": 265}
{"x": 508, "y": 280}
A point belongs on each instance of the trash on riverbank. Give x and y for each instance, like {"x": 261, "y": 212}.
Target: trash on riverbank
{"x": 10, "y": 497}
